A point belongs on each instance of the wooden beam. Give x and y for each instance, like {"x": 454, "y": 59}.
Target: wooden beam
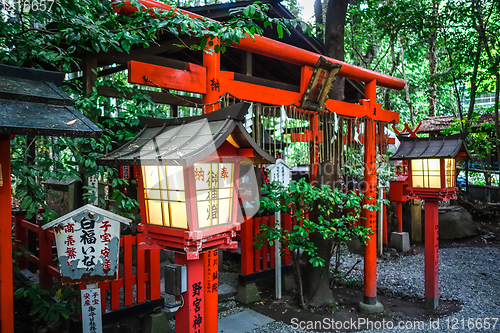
{"x": 123, "y": 58}
{"x": 193, "y": 79}
{"x": 156, "y": 97}
{"x": 111, "y": 70}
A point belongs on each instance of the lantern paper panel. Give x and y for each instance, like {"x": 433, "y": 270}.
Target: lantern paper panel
{"x": 449, "y": 164}
{"x": 165, "y": 196}
{"x": 214, "y": 193}
{"x": 425, "y": 173}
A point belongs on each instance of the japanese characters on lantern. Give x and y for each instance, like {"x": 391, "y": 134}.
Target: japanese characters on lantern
{"x": 214, "y": 189}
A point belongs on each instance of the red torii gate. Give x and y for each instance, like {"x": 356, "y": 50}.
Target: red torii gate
{"x": 198, "y": 79}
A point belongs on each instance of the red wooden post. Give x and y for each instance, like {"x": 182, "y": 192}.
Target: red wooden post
{"x": 399, "y": 214}
{"x": 191, "y": 317}
{"x": 153, "y": 289}
{"x": 127, "y": 269}
{"x": 431, "y": 254}
{"x": 211, "y": 61}
{"x": 258, "y": 252}
{"x": 115, "y": 293}
{"x": 246, "y": 247}
{"x": 141, "y": 274}
{"x": 6, "y": 277}
{"x": 211, "y": 285}
{"x": 44, "y": 259}
{"x": 103, "y": 286}
{"x": 370, "y": 262}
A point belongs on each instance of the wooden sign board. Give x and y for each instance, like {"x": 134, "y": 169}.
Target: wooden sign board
{"x": 88, "y": 244}
{"x": 320, "y": 85}
{"x": 280, "y": 172}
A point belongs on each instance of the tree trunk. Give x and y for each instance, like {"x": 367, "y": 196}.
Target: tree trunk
{"x": 317, "y": 290}
{"x": 334, "y": 40}
{"x": 407, "y": 86}
{"x": 473, "y": 83}
{"x": 432, "y": 56}
{"x": 481, "y": 28}
{"x": 318, "y": 15}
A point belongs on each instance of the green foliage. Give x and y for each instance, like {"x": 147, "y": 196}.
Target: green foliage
{"x": 49, "y": 306}
{"x": 301, "y": 199}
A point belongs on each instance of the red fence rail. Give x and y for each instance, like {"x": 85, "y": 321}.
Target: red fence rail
{"x": 146, "y": 278}
{"x": 254, "y": 260}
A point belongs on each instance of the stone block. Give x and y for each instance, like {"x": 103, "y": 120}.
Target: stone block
{"x": 248, "y": 294}
{"x": 400, "y": 241}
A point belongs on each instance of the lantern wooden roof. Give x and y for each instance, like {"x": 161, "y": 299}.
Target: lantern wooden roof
{"x": 435, "y": 147}
{"x": 184, "y": 141}
{"x": 31, "y": 103}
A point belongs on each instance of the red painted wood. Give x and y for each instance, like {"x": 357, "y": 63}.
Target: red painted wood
{"x": 6, "y": 276}
{"x": 257, "y": 252}
{"x": 45, "y": 259}
{"x": 128, "y": 240}
{"x": 103, "y": 296}
{"x": 154, "y": 275}
{"x": 115, "y": 293}
{"x": 265, "y": 248}
{"x": 211, "y": 287}
{"x": 193, "y": 79}
{"x": 141, "y": 273}
{"x": 370, "y": 256}
{"x": 431, "y": 249}
{"x": 399, "y": 215}
{"x": 281, "y": 51}
{"x": 186, "y": 317}
{"x": 213, "y": 85}
{"x": 246, "y": 247}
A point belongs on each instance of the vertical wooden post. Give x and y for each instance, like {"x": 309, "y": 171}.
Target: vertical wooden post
{"x": 313, "y": 148}
{"x": 45, "y": 259}
{"x": 211, "y": 61}
{"x": 384, "y": 216}
{"x": 6, "y": 278}
{"x": 370, "y": 262}
{"x": 211, "y": 283}
{"x": 416, "y": 220}
{"x": 246, "y": 247}
{"x": 431, "y": 254}
{"x": 399, "y": 215}
{"x": 191, "y": 316}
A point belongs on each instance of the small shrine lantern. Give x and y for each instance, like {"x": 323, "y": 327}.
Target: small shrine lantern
{"x": 432, "y": 177}
{"x": 431, "y": 166}
{"x": 189, "y": 175}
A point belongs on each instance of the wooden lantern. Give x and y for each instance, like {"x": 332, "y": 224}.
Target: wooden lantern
{"x": 189, "y": 177}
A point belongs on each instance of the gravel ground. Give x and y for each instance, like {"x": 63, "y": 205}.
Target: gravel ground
{"x": 470, "y": 275}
